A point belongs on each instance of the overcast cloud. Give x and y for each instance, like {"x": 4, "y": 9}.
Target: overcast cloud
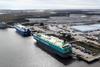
{"x": 49, "y": 4}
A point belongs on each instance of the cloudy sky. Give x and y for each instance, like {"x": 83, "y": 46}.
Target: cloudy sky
{"x": 49, "y": 4}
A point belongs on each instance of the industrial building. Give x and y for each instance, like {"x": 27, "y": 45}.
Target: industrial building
{"x": 87, "y": 28}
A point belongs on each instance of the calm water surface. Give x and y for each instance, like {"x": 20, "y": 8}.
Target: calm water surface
{"x": 18, "y": 51}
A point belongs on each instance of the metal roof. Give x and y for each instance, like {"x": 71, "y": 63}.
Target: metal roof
{"x": 87, "y": 28}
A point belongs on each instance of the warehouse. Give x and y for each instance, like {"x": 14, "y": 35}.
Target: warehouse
{"x": 87, "y": 28}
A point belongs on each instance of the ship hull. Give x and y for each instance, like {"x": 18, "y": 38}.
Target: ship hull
{"x": 54, "y": 49}
{"x": 28, "y": 33}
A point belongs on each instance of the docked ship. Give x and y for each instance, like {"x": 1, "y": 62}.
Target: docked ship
{"x": 3, "y": 25}
{"x": 53, "y": 44}
{"x": 22, "y": 30}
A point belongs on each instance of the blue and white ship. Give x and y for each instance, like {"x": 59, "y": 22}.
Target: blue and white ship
{"x": 24, "y": 31}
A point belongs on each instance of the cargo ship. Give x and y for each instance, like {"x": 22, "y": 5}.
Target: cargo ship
{"x": 54, "y": 44}
{"x": 22, "y": 30}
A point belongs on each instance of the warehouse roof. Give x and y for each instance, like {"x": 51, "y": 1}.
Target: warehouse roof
{"x": 87, "y": 28}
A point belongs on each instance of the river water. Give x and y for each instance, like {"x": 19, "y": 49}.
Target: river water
{"x": 18, "y": 51}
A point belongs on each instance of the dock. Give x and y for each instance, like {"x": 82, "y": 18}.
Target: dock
{"x": 88, "y": 54}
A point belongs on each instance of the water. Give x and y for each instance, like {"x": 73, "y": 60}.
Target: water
{"x": 18, "y": 51}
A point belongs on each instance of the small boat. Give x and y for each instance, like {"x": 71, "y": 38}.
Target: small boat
{"x": 24, "y": 31}
{"x": 54, "y": 44}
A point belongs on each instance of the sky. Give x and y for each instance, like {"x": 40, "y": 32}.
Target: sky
{"x": 49, "y": 4}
